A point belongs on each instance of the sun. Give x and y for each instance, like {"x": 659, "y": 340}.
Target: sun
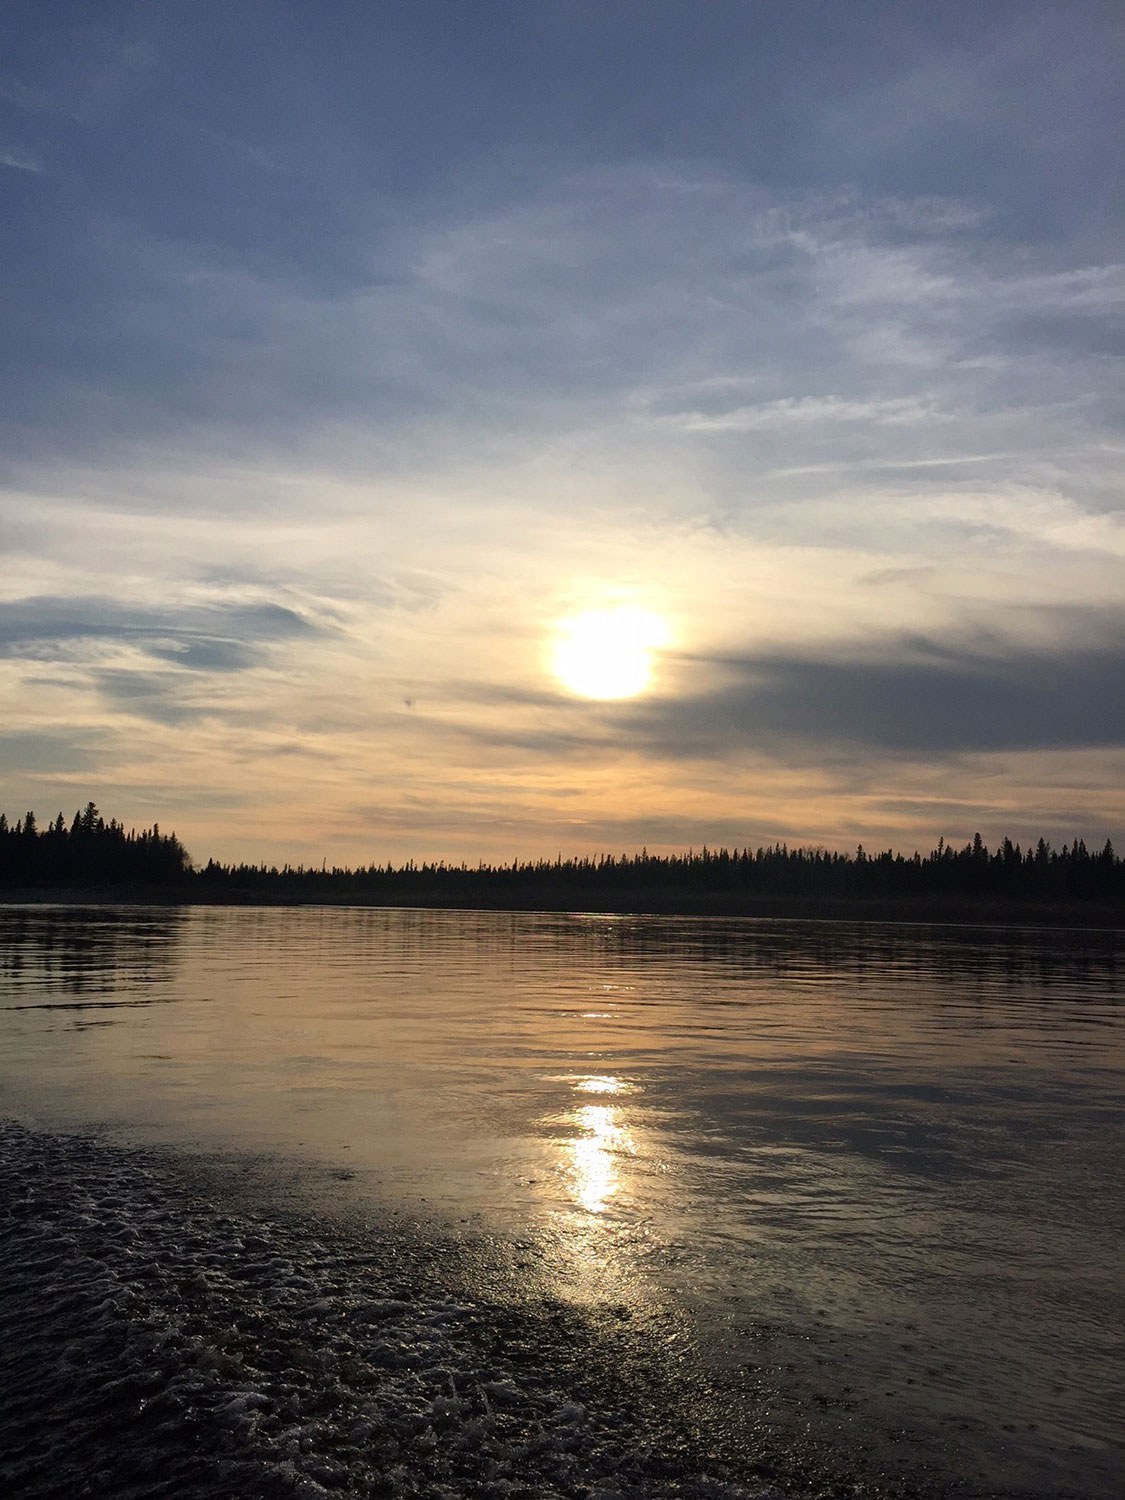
{"x": 608, "y": 653}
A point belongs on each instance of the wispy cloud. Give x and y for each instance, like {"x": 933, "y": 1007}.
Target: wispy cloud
{"x": 20, "y": 161}
{"x": 207, "y": 638}
{"x": 796, "y": 410}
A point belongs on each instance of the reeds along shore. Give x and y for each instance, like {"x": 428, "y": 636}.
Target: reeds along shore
{"x": 92, "y": 856}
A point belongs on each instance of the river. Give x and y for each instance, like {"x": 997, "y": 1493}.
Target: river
{"x": 711, "y": 1207}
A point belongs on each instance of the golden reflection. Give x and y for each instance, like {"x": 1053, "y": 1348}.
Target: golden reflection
{"x": 604, "y": 1139}
{"x": 599, "y": 1085}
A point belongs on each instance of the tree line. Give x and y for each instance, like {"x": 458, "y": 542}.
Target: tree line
{"x": 92, "y": 852}
{"x": 1071, "y": 873}
{"x": 88, "y": 852}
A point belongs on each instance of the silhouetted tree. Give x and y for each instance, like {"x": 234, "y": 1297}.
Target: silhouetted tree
{"x": 94, "y": 852}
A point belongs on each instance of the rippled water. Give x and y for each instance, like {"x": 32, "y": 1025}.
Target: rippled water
{"x": 877, "y": 1168}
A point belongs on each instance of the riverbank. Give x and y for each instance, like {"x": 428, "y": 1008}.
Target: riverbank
{"x": 953, "y": 910}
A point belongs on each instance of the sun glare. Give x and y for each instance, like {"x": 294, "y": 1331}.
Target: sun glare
{"x": 608, "y": 653}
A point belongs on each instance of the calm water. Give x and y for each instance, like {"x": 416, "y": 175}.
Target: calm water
{"x": 880, "y": 1168}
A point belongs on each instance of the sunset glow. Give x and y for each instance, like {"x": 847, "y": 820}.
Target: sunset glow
{"x": 490, "y": 434}
{"x": 608, "y": 653}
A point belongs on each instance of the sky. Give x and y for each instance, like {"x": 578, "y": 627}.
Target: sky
{"x": 356, "y": 351}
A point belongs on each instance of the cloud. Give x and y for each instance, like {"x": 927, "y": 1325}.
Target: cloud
{"x": 528, "y": 825}
{"x": 203, "y": 638}
{"x": 1018, "y": 681}
{"x": 71, "y": 750}
{"x": 158, "y": 696}
{"x": 164, "y": 664}
{"x": 801, "y": 410}
{"x": 481, "y": 328}
{"x": 908, "y": 697}
{"x": 21, "y": 161}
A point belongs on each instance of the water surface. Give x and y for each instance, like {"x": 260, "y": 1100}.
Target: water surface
{"x": 879, "y": 1167}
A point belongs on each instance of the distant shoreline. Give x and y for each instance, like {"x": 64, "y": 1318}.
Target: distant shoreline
{"x": 95, "y": 861}
{"x": 954, "y": 911}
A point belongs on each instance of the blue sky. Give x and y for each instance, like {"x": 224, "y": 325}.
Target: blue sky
{"x": 351, "y": 348}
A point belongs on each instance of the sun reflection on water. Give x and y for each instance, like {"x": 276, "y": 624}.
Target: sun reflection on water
{"x": 599, "y": 1085}
{"x": 602, "y": 1223}
{"x": 595, "y": 1153}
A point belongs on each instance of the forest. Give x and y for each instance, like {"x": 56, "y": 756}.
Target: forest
{"x": 92, "y": 854}
{"x": 88, "y": 852}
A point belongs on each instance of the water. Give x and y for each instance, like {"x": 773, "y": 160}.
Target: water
{"x": 857, "y": 1189}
